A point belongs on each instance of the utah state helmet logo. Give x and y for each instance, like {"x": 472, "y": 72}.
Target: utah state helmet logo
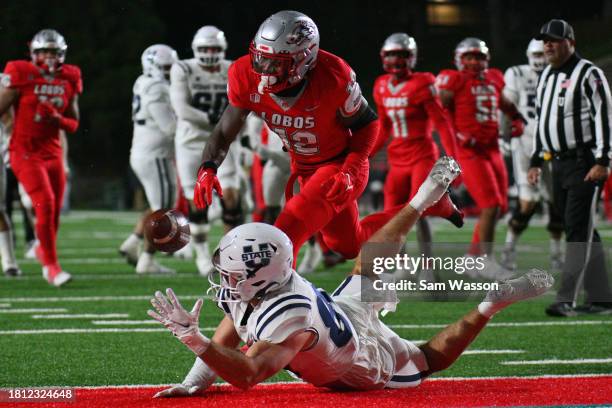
{"x": 255, "y": 260}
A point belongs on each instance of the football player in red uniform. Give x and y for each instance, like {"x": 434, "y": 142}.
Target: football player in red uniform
{"x": 473, "y": 94}
{"x": 44, "y": 94}
{"x": 407, "y": 105}
{"x": 311, "y": 99}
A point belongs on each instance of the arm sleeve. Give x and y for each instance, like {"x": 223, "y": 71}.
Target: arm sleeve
{"x": 511, "y": 92}
{"x": 12, "y": 76}
{"x": 181, "y": 98}
{"x": 597, "y": 91}
{"x": 384, "y": 124}
{"x": 443, "y": 124}
{"x": 160, "y": 110}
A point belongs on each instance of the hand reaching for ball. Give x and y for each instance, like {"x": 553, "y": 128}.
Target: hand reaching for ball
{"x": 167, "y": 230}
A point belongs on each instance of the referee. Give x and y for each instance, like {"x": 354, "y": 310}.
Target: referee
{"x": 574, "y": 110}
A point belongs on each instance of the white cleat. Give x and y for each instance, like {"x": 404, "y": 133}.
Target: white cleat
{"x": 150, "y": 266}
{"x": 12, "y": 271}
{"x": 204, "y": 265}
{"x": 60, "y": 278}
{"x": 530, "y": 285}
{"x": 312, "y": 259}
{"x": 444, "y": 171}
{"x": 556, "y": 262}
{"x": 185, "y": 252}
{"x": 130, "y": 253}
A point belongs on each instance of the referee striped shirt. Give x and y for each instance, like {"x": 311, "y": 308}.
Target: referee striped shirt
{"x": 573, "y": 108}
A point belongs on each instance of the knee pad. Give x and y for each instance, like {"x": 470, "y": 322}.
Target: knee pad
{"x": 198, "y": 216}
{"x": 555, "y": 220}
{"x": 519, "y": 221}
{"x": 232, "y": 216}
{"x": 271, "y": 213}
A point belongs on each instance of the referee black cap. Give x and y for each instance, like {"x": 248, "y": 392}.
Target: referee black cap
{"x": 556, "y": 30}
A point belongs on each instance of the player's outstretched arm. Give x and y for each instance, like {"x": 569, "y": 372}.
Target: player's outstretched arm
{"x": 224, "y": 134}
{"x": 263, "y": 359}
{"x": 201, "y": 376}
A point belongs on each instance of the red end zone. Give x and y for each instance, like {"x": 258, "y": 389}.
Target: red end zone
{"x": 432, "y": 393}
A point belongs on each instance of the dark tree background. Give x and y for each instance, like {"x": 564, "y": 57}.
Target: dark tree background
{"x": 106, "y": 38}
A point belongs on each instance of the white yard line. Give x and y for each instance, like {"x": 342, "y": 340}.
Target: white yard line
{"x": 90, "y": 298}
{"x": 555, "y": 361}
{"x": 82, "y": 316}
{"x": 510, "y": 324}
{"x": 5, "y": 305}
{"x": 116, "y": 276}
{"x": 123, "y": 322}
{"x": 16, "y": 311}
{"x": 535, "y": 377}
{"x": 503, "y": 351}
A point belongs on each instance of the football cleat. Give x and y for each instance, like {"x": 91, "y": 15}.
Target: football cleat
{"x": 30, "y": 252}
{"x": 561, "y": 309}
{"x": 204, "y": 265}
{"x": 447, "y": 209}
{"x": 528, "y": 286}
{"x": 491, "y": 271}
{"x": 332, "y": 258}
{"x": 12, "y": 272}
{"x": 508, "y": 259}
{"x": 55, "y": 276}
{"x": 185, "y": 252}
{"x": 130, "y": 253}
{"x": 147, "y": 265}
{"x": 312, "y": 259}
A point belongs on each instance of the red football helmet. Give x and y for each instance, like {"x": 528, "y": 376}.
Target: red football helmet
{"x": 48, "y": 50}
{"x": 284, "y": 49}
{"x": 472, "y": 54}
{"x": 399, "y": 54}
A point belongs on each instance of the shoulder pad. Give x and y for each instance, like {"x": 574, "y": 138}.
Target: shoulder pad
{"x": 425, "y": 78}
{"x": 15, "y": 73}
{"x": 281, "y": 316}
{"x": 73, "y": 74}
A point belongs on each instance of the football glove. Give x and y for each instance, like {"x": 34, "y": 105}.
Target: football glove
{"x": 517, "y": 126}
{"x": 47, "y": 111}
{"x": 179, "y": 390}
{"x": 339, "y": 188}
{"x": 206, "y": 183}
{"x": 184, "y": 325}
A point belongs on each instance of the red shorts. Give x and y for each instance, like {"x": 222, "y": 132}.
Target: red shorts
{"x": 485, "y": 177}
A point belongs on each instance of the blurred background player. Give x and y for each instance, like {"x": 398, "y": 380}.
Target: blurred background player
{"x": 311, "y": 99}
{"x": 407, "y": 105}
{"x": 152, "y": 153}
{"x": 44, "y": 93}
{"x": 7, "y": 249}
{"x": 520, "y": 89}
{"x": 473, "y": 94}
{"x": 198, "y": 91}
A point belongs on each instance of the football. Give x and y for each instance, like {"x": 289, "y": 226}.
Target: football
{"x": 167, "y": 230}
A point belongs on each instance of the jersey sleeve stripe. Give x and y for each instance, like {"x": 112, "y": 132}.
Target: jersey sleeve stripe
{"x": 406, "y": 378}
{"x": 279, "y": 312}
{"x": 278, "y": 302}
{"x": 342, "y": 286}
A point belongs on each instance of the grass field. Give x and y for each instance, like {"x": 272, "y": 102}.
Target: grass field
{"x": 95, "y": 331}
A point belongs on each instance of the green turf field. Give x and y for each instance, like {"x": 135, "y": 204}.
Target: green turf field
{"x": 114, "y": 341}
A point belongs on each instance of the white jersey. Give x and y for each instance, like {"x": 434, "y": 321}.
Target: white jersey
{"x": 296, "y": 308}
{"x": 521, "y": 82}
{"x": 154, "y": 120}
{"x": 199, "y": 97}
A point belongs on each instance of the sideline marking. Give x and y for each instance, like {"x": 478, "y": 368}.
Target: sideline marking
{"x": 557, "y": 361}
{"x": 81, "y": 316}
{"x": 15, "y": 311}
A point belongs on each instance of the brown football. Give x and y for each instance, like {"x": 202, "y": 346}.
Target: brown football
{"x": 167, "y": 230}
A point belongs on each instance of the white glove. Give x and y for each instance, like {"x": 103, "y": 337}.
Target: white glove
{"x": 179, "y": 390}
{"x": 181, "y": 323}
{"x": 442, "y": 174}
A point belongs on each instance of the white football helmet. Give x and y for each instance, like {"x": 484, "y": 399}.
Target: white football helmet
{"x": 283, "y": 50}
{"x": 209, "y": 45}
{"x": 251, "y": 260}
{"x": 48, "y": 40}
{"x": 472, "y": 45}
{"x": 157, "y": 61}
{"x": 535, "y": 55}
{"x": 397, "y": 43}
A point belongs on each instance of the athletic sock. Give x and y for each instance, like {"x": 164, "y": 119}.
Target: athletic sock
{"x": 7, "y": 251}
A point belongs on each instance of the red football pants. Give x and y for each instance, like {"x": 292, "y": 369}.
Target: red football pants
{"x": 485, "y": 177}
{"x": 402, "y": 183}
{"x": 309, "y": 211}
{"x": 44, "y": 181}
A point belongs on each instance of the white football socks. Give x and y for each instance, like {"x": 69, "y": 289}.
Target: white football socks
{"x": 7, "y": 251}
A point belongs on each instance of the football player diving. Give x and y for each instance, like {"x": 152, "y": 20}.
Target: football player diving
{"x": 332, "y": 341}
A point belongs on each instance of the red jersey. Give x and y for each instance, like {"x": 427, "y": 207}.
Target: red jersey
{"x": 31, "y": 135}
{"x": 403, "y": 114}
{"x": 309, "y": 123}
{"x": 476, "y": 102}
